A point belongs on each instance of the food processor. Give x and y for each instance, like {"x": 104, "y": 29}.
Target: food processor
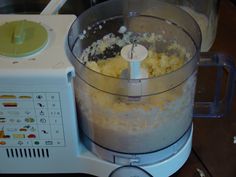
{"x": 127, "y": 103}
{"x": 110, "y": 93}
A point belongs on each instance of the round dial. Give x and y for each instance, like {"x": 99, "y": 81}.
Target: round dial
{"x": 22, "y": 38}
{"x": 129, "y": 171}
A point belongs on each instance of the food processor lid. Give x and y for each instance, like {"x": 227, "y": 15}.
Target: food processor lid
{"x": 22, "y": 38}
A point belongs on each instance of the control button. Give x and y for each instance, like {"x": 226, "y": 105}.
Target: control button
{"x": 53, "y": 105}
{"x": 59, "y": 143}
{"x": 57, "y": 132}
{"x": 55, "y": 121}
{"x": 52, "y": 96}
{"x": 55, "y": 113}
{"x": 130, "y": 171}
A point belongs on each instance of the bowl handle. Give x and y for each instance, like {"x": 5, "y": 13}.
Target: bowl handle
{"x": 218, "y": 107}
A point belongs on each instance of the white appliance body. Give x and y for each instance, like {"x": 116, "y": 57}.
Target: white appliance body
{"x": 38, "y": 123}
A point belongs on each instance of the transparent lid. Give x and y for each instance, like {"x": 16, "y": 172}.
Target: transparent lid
{"x": 166, "y": 38}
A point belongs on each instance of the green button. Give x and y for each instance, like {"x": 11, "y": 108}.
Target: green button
{"x": 22, "y": 38}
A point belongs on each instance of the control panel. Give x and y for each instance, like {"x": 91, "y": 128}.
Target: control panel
{"x": 31, "y": 119}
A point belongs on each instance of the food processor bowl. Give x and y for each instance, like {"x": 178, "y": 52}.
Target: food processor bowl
{"x": 139, "y": 115}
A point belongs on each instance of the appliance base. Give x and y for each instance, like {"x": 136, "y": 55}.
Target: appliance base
{"x": 168, "y": 160}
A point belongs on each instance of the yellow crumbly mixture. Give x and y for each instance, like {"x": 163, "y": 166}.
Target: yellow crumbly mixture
{"x": 155, "y": 64}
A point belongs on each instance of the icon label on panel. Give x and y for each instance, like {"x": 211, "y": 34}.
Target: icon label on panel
{"x": 40, "y": 105}
{"x": 41, "y": 113}
{"x": 3, "y": 142}
{"x": 39, "y": 96}
{"x": 28, "y": 112}
{"x": 31, "y": 119}
{"x": 36, "y": 142}
{"x": 23, "y": 130}
{"x": 20, "y": 143}
{"x": 31, "y": 136}
{"x": 25, "y": 97}
{"x": 18, "y": 136}
{"x": 44, "y": 131}
{"x": 10, "y": 104}
{"x": 2, "y": 120}
{"x": 48, "y": 143}
{"x": 7, "y": 97}
{"x": 2, "y": 133}
{"x": 32, "y": 129}
{"x": 43, "y": 120}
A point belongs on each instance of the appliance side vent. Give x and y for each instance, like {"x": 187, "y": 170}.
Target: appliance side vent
{"x": 27, "y": 153}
